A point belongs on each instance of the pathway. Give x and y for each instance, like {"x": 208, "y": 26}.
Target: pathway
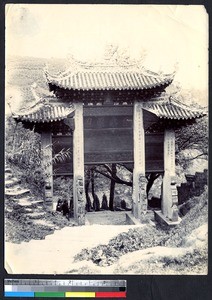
{"x": 55, "y": 253}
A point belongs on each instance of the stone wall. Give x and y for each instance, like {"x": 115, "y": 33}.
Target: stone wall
{"x": 193, "y": 187}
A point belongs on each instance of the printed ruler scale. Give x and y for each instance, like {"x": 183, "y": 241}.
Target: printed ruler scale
{"x": 47, "y": 288}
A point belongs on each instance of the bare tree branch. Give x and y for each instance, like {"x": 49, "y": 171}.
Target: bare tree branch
{"x": 107, "y": 168}
{"x": 115, "y": 178}
{"x": 197, "y": 156}
{"x": 127, "y": 168}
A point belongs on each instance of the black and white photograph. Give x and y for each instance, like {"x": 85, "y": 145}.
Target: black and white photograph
{"x": 106, "y": 139}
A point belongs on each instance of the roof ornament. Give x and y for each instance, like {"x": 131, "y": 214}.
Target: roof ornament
{"x": 74, "y": 65}
{"x": 170, "y": 99}
{"x": 176, "y": 67}
{"x": 120, "y": 57}
{"x": 160, "y": 73}
{"x": 33, "y": 90}
{"x": 9, "y": 105}
{"x": 116, "y": 64}
{"x": 46, "y": 70}
{"x": 141, "y": 59}
{"x": 110, "y": 52}
{"x": 45, "y": 101}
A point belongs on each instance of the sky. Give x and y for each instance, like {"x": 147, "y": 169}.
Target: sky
{"x": 168, "y": 35}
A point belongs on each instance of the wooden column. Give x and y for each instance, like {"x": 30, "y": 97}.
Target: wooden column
{"x": 46, "y": 148}
{"x": 78, "y": 165}
{"x": 139, "y": 179}
{"x": 169, "y": 190}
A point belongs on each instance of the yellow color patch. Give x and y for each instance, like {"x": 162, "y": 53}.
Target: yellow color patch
{"x": 80, "y": 294}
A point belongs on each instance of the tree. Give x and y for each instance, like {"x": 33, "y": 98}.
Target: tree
{"x": 114, "y": 172}
{"x": 110, "y": 171}
{"x": 192, "y": 137}
{"x": 112, "y": 186}
{"x": 87, "y": 184}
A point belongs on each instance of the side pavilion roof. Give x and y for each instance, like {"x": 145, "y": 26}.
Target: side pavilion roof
{"x": 165, "y": 108}
{"x": 44, "y": 112}
{"x": 170, "y": 108}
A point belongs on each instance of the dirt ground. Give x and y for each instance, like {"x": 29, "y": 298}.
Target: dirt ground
{"x": 147, "y": 249}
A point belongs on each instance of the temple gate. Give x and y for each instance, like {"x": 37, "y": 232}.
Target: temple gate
{"x": 111, "y": 113}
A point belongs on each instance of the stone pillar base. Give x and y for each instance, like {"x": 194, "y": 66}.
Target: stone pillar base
{"x": 48, "y": 204}
{"x": 131, "y": 220}
{"x": 161, "y": 219}
{"x": 79, "y": 204}
{"x": 139, "y": 195}
{"x": 142, "y": 193}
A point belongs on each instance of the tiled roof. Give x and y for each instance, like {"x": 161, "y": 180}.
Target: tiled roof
{"x": 170, "y": 108}
{"x": 43, "y": 112}
{"x": 164, "y": 108}
{"x": 109, "y": 78}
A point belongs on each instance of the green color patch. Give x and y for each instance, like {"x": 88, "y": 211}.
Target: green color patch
{"x": 50, "y": 294}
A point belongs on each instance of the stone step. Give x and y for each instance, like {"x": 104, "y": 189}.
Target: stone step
{"x": 16, "y": 192}
{"x": 27, "y": 202}
{"x": 39, "y": 206}
{"x": 11, "y": 182}
{"x": 16, "y": 189}
{"x": 36, "y": 215}
{"x": 8, "y": 210}
{"x": 43, "y": 222}
{"x": 8, "y": 176}
{"x": 28, "y": 210}
{"x": 8, "y": 170}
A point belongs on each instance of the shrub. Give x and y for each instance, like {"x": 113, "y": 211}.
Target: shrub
{"x": 23, "y": 152}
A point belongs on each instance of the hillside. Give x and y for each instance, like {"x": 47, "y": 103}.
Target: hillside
{"x": 23, "y": 72}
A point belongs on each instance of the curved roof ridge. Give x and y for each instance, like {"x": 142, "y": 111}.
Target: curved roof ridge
{"x": 170, "y": 108}
{"x": 168, "y": 98}
{"x": 184, "y": 105}
{"x": 30, "y": 109}
{"x": 159, "y": 74}
{"x": 43, "y": 111}
{"x": 108, "y": 69}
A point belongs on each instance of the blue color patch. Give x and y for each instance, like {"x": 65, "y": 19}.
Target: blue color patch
{"x": 19, "y": 294}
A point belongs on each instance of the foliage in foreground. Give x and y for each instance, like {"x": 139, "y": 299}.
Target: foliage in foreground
{"x": 197, "y": 215}
{"x": 149, "y": 236}
{"x": 23, "y": 152}
{"x": 186, "y": 264}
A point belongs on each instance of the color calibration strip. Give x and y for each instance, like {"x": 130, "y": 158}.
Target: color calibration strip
{"x": 37, "y": 288}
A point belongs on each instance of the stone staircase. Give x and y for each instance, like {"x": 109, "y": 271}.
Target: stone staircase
{"x": 16, "y": 193}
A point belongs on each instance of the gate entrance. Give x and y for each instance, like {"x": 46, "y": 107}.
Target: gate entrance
{"x": 108, "y": 138}
{"x": 103, "y": 112}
